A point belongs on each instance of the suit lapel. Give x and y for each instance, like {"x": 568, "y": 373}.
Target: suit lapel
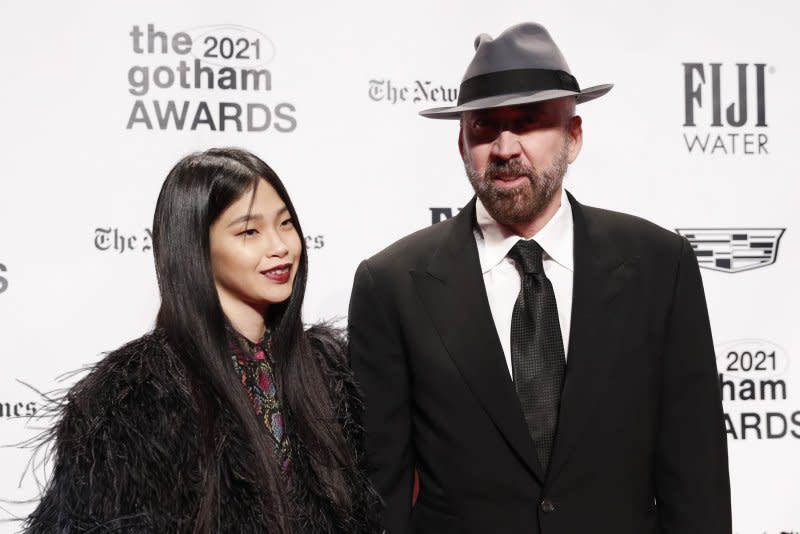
{"x": 454, "y": 295}
{"x": 598, "y": 318}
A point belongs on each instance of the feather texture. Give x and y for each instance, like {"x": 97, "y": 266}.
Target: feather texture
{"x": 127, "y": 452}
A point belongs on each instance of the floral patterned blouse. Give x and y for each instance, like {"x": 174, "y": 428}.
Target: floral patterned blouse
{"x": 254, "y": 364}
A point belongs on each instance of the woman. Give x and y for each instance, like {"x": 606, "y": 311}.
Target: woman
{"x": 228, "y": 417}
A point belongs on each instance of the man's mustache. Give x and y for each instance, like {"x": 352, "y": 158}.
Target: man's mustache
{"x": 508, "y": 168}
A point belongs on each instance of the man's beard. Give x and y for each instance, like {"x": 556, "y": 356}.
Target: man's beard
{"x": 525, "y": 202}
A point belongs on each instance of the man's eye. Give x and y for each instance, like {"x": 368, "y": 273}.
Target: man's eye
{"x": 482, "y": 128}
{"x": 526, "y": 123}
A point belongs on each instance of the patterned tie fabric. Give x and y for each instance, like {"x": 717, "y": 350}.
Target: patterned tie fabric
{"x": 537, "y": 350}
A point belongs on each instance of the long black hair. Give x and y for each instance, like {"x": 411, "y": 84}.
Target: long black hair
{"x": 196, "y": 191}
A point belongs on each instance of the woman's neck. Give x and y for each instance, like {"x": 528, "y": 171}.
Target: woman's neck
{"x": 244, "y": 318}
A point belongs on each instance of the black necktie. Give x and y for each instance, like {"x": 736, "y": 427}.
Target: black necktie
{"x": 537, "y": 351}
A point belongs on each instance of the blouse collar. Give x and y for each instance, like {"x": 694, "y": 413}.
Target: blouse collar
{"x": 246, "y": 350}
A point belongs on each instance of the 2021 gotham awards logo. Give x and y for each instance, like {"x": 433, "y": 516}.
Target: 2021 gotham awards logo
{"x": 733, "y": 250}
{"x": 725, "y": 109}
{"x": 212, "y": 78}
{"x": 755, "y": 389}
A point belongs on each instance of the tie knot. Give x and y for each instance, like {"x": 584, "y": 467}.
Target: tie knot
{"x": 529, "y": 255}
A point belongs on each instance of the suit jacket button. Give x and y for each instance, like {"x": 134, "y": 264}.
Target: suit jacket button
{"x": 547, "y": 506}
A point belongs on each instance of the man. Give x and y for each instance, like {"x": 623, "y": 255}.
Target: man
{"x": 559, "y": 385}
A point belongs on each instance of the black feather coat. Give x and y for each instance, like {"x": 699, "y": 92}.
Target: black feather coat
{"x": 127, "y": 449}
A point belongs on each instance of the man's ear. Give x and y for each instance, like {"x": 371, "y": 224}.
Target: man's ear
{"x": 461, "y": 143}
{"x": 575, "y": 132}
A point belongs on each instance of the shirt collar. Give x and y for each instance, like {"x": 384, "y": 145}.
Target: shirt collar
{"x": 556, "y": 237}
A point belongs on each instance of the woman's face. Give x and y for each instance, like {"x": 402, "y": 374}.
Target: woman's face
{"x": 254, "y": 252}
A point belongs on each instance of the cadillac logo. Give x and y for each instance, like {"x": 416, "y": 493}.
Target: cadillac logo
{"x": 733, "y": 250}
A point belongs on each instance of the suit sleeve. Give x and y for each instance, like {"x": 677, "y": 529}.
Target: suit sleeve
{"x": 692, "y": 483}
{"x": 379, "y": 361}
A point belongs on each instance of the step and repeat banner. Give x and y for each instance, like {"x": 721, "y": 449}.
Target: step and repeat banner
{"x": 99, "y": 99}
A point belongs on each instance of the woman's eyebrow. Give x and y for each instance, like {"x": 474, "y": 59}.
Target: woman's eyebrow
{"x": 244, "y": 218}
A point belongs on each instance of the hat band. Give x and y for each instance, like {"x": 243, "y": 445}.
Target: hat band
{"x": 515, "y": 81}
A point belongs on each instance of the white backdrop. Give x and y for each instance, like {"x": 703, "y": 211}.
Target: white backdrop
{"x": 342, "y": 86}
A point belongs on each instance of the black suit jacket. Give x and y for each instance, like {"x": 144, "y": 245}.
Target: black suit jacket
{"x": 640, "y": 445}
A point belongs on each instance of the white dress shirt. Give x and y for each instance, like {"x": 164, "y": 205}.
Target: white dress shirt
{"x": 502, "y": 279}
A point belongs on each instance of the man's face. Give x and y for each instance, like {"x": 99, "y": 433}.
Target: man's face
{"x": 516, "y": 157}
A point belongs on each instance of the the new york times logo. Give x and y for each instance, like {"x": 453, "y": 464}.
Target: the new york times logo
{"x": 16, "y": 409}
{"x": 227, "y": 59}
{"x": 418, "y": 91}
{"x": 115, "y": 240}
{"x": 3, "y": 279}
{"x": 112, "y": 239}
{"x": 739, "y": 126}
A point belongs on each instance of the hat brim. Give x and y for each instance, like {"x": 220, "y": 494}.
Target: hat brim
{"x": 515, "y": 99}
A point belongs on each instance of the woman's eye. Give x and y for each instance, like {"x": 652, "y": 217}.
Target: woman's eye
{"x": 248, "y": 232}
{"x": 287, "y": 223}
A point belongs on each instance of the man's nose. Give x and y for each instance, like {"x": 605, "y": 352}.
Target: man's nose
{"x": 506, "y": 145}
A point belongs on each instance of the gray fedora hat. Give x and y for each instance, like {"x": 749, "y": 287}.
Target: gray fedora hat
{"x": 521, "y": 66}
